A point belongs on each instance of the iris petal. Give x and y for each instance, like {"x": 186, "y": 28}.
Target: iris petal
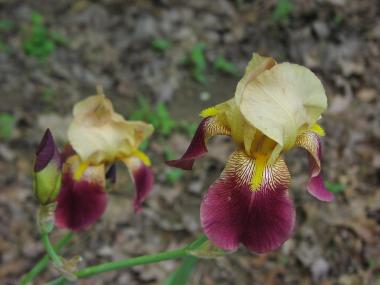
{"x": 231, "y": 213}
{"x": 143, "y": 179}
{"x": 208, "y": 128}
{"x": 79, "y": 204}
{"x": 311, "y": 142}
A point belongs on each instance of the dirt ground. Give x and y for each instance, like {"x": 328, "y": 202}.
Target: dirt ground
{"x": 109, "y": 42}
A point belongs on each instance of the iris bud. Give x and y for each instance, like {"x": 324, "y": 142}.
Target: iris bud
{"x": 47, "y": 170}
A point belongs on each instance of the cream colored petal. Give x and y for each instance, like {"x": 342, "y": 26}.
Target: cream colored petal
{"x": 256, "y": 66}
{"x": 282, "y": 101}
{"x": 99, "y": 135}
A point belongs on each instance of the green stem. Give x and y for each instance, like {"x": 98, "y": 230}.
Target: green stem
{"x": 124, "y": 263}
{"x": 44, "y": 261}
{"x": 50, "y": 249}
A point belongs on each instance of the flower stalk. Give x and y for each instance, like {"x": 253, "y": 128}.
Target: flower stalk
{"x": 44, "y": 261}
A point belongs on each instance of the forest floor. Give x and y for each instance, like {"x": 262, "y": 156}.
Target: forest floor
{"x": 172, "y": 59}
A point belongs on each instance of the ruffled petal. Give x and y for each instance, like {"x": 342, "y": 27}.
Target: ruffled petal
{"x": 282, "y": 101}
{"x": 79, "y": 204}
{"x": 231, "y": 213}
{"x": 208, "y": 128}
{"x": 100, "y": 135}
{"x": 311, "y": 142}
{"x": 143, "y": 179}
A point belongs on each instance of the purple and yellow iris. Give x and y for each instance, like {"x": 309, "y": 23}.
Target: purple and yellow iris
{"x": 275, "y": 108}
{"x": 98, "y": 137}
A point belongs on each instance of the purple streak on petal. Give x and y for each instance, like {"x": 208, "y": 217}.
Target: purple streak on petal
{"x": 196, "y": 149}
{"x": 111, "y": 173}
{"x": 231, "y": 213}
{"x": 79, "y": 204}
{"x": 47, "y": 151}
{"x": 143, "y": 179}
{"x": 311, "y": 142}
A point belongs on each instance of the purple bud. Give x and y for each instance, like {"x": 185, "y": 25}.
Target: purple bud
{"x": 47, "y": 170}
{"x": 46, "y": 152}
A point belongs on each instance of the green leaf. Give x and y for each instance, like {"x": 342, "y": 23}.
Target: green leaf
{"x": 6, "y": 25}
{"x": 226, "y": 66}
{"x": 282, "y": 11}
{"x": 7, "y": 122}
{"x": 335, "y": 187}
{"x": 182, "y": 275}
{"x": 161, "y": 44}
{"x": 173, "y": 175}
{"x": 199, "y": 62}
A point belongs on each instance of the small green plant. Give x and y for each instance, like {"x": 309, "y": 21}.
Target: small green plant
{"x": 39, "y": 42}
{"x": 173, "y": 174}
{"x": 7, "y": 122}
{"x": 159, "y": 116}
{"x": 198, "y": 63}
{"x": 334, "y": 187}
{"x": 47, "y": 94}
{"x": 225, "y": 66}
{"x": 161, "y": 44}
{"x": 282, "y": 10}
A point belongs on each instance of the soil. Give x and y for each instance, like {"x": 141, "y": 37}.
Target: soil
{"x": 109, "y": 43}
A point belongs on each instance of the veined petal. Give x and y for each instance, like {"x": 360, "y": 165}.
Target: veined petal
{"x": 208, "y": 128}
{"x": 231, "y": 213}
{"x": 81, "y": 202}
{"x": 143, "y": 179}
{"x": 98, "y": 134}
{"x": 282, "y": 101}
{"x": 311, "y": 142}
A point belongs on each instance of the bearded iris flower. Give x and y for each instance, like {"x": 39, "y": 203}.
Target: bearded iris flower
{"x": 98, "y": 136}
{"x": 275, "y": 108}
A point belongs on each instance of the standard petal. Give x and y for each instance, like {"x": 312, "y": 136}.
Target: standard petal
{"x": 143, "y": 179}
{"x": 256, "y": 65}
{"x": 231, "y": 213}
{"x": 311, "y": 142}
{"x": 98, "y": 134}
{"x": 208, "y": 128}
{"x": 282, "y": 101}
{"x": 79, "y": 204}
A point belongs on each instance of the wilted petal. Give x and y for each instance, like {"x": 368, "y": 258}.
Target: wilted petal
{"x": 282, "y": 101}
{"x": 231, "y": 213}
{"x": 208, "y": 128}
{"x": 98, "y": 134}
{"x": 311, "y": 142}
{"x": 143, "y": 179}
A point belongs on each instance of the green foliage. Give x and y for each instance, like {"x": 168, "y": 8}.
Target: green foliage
{"x": 282, "y": 11}
{"x": 39, "y": 42}
{"x": 6, "y": 25}
{"x": 226, "y": 66}
{"x": 334, "y": 187}
{"x": 198, "y": 63}
{"x": 47, "y": 94}
{"x": 182, "y": 275}
{"x": 3, "y": 47}
{"x": 173, "y": 174}
{"x": 159, "y": 116}
{"x": 161, "y": 44}
{"x": 7, "y": 122}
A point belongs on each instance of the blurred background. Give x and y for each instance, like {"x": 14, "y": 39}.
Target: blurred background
{"x": 163, "y": 62}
